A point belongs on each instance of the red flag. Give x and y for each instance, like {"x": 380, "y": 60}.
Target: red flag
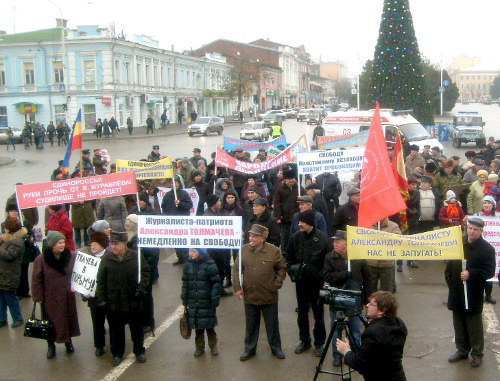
{"x": 380, "y": 196}
{"x": 398, "y": 168}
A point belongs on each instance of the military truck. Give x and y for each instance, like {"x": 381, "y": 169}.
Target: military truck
{"x": 467, "y": 128}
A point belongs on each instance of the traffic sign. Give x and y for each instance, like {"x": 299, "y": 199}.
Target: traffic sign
{"x": 441, "y": 89}
{"x": 446, "y": 82}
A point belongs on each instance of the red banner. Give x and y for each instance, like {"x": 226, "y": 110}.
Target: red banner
{"x": 77, "y": 189}
{"x": 223, "y": 159}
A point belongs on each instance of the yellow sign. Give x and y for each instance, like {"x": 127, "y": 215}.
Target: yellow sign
{"x": 144, "y": 170}
{"x": 363, "y": 243}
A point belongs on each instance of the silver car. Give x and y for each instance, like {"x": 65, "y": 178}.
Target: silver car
{"x": 17, "y": 135}
{"x": 206, "y": 125}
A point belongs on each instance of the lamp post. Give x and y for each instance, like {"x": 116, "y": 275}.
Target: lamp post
{"x": 67, "y": 96}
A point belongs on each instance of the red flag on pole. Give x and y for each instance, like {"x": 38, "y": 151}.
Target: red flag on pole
{"x": 380, "y": 195}
{"x": 398, "y": 167}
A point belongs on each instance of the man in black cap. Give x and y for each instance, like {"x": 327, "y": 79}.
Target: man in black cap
{"x": 197, "y": 157}
{"x": 331, "y": 190}
{"x": 86, "y": 162}
{"x": 155, "y": 154}
{"x": 306, "y": 203}
{"x": 480, "y": 266}
{"x": 305, "y": 255}
{"x": 471, "y": 175}
{"x": 252, "y": 195}
{"x": 285, "y": 203}
{"x": 347, "y": 214}
{"x": 262, "y": 216}
{"x": 319, "y": 202}
{"x": 264, "y": 271}
{"x": 336, "y": 274}
{"x": 414, "y": 159}
{"x": 426, "y": 153}
{"x": 119, "y": 293}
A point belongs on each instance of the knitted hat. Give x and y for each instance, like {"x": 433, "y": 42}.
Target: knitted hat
{"x": 100, "y": 238}
{"x": 493, "y": 177}
{"x": 53, "y": 237}
{"x": 203, "y": 252}
{"x": 212, "y": 200}
{"x": 450, "y": 194}
{"x": 482, "y": 172}
{"x": 100, "y": 225}
{"x": 491, "y": 200}
{"x": 308, "y": 217}
{"x": 132, "y": 218}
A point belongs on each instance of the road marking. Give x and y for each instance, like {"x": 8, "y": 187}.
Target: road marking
{"x": 492, "y": 326}
{"x": 115, "y": 373}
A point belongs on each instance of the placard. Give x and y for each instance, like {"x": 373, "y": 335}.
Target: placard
{"x": 83, "y": 279}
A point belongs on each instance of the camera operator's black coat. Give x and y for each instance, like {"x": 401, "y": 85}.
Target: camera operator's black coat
{"x": 480, "y": 256}
{"x": 381, "y": 352}
{"x": 335, "y": 273}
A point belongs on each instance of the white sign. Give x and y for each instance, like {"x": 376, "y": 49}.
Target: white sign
{"x": 189, "y": 232}
{"x": 491, "y": 234}
{"x": 331, "y": 161}
{"x": 83, "y": 279}
{"x": 192, "y": 193}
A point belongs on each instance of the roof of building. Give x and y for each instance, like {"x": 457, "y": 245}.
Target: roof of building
{"x": 480, "y": 69}
{"x": 35, "y": 35}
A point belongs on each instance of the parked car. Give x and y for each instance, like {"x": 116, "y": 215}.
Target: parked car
{"x": 290, "y": 113}
{"x": 272, "y": 119}
{"x": 303, "y": 114}
{"x": 206, "y": 125}
{"x": 315, "y": 116}
{"x": 272, "y": 112}
{"x": 255, "y": 131}
{"x": 17, "y": 135}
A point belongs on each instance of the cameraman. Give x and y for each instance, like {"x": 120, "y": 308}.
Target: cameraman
{"x": 335, "y": 273}
{"x": 382, "y": 342}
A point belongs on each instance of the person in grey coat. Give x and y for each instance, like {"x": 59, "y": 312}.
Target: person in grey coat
{"x": 114, "y": 211}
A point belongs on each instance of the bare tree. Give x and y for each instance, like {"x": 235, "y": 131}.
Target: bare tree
{"x": 241, "y": 80}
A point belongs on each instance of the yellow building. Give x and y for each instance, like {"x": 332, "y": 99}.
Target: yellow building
{"x": 474, "y": 82}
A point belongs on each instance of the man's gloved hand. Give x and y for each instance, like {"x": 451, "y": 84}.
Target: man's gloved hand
{"x": 139, "y": 294}
{"x": 102, "y": 304}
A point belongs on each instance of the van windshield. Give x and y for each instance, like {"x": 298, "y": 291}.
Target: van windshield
{"x": 414, "y": 132}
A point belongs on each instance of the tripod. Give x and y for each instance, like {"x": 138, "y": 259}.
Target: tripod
{"x": 340, "y": 325}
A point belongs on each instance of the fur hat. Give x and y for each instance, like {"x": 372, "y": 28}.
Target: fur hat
{"x": 482, "y": 172}
{"x": 99, "y": 238}
{"x": 308, "y": 217}
{"x": 212, "y": 200}
{"x": 448, "y": 163}
{"x": 289, "y": 174}
{"x": 53, "y": 237}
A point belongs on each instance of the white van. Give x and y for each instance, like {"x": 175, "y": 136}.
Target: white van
{"x": 351, "y": 122}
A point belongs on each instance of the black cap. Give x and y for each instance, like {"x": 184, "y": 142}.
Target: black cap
{"x": 260, "y": 201}
{"x": 85, "y": 151}
{"x": 212, "y": 200}
{"x": 414, "y": 147}
{"x": 119, "y": 237}
{"x": 156, "y": 147}
{"x": 340, "y": 234}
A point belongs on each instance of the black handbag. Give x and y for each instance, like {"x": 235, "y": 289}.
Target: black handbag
{"x": 184, "y": 325}
{"x": 38, "y": 328}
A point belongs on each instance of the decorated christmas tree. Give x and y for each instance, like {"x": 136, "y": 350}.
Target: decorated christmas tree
{"x": 397, "y": 78}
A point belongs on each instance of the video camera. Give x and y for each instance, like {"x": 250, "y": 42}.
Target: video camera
{"x": 342, "y": 300}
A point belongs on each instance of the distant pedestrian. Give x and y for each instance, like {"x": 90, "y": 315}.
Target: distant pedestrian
{"x": 164, "y": 119}
{"x": 180, "y": 115}
{"x": 105, "y": 128}
{"x": 241, "y": 116}
{"x": 193, "y": 116}
{"x": 130, "y": 125}
{"x": 113, "y": 124}
{"x": 25, "y": 134}
{"x": 10, "y": 138}
{"x": 51, "y": 129}
{"x": 98, "y": 128}
{"x": 60, "y": 133}
{"x": 150, "y": 125}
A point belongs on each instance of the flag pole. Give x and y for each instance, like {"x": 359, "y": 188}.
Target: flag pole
{"x": 464, "y": 265}
{"x": 138, "y": 247}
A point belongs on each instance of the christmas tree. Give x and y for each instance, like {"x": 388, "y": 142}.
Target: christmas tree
{"x": 397, "y": 77}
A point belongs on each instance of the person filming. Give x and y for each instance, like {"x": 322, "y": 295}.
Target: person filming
{"x": 382, "y": 342}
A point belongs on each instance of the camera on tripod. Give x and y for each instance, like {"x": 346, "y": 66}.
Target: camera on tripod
{"x": 347, "y": 301}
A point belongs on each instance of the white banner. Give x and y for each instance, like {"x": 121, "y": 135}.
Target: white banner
{"x": 491, "y": 233}
{"x": 83, "y": 279}
{"x": 330, "y": 161}
{"x": 189, "y": 232}
{"x": 192, "y": 193}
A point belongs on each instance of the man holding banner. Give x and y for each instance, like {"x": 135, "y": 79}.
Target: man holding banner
{"x": 466, "y": 289}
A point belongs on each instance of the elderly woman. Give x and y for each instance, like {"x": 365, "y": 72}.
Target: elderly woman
{"x": 475, "y": 196}
{"x": 201, "y": 290}
{"x": 99, "y": 243}
{"x": 51, "y": 287}
{"x": 11, "y": 254}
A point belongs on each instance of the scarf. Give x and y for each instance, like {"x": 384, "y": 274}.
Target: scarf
{"x": 57, "y": 264}
{"x": 452, "y": 211}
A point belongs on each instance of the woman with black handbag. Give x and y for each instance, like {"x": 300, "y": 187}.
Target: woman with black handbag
{"x": 51, "y": 287}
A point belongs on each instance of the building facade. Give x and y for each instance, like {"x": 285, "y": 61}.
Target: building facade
{"x": 104, "y": 75}
{"x": 474, "y": 82}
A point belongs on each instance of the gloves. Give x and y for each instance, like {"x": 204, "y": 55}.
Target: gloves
{"x": 139, "y": 294}
{"x": 102, "y": 305}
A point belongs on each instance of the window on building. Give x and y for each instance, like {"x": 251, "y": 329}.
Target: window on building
{"x": 29, "y": 73}
{"x": 58, "y": 72}
{"x": 193, "y": 81}
{"x": 148, "y": 76}
{"x": 3, "y": 117}
{"x": 89, "y": 116}
{"x": 155, "y": 75}
{"x": 181, "y": 79}
{"x": 60, "y": 114}
{"x": 89, "y": 71}
{"x": 139, "y": 74}
{"x": 127, "y": 72}
{"x": 169, "y": 76}
{"x": 2, "y": 74}
{"x": 162, "y": 76}
{"x": 117, "y": 71}
{"x": 188, "y": 79}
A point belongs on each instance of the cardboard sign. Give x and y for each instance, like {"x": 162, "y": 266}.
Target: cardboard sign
{"x": 76, "y": 189}
{"x": 83, "y": 279}
{"x": 189, "y": 232}
{"x": 161, "y": 169}
{"x": 363, "y": 243}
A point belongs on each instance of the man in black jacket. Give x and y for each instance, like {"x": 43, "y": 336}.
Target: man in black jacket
{"x": 336, "y": 274}
{"x": 480, "y": 266}
{"x": 305, "y": 256}
{"x": 331, "y": 189}
{"x": 262, "y": 216}
{"x": 121, "y": 297}
{"x": 347, "y": 214}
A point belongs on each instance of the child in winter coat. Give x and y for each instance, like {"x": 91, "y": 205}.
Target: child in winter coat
{"x": 451, "y": 214}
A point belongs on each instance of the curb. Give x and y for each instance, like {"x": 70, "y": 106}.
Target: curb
{"x": 4, "y": 161}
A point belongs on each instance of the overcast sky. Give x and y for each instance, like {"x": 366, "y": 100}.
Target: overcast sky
{"x": 344, "y": 30}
